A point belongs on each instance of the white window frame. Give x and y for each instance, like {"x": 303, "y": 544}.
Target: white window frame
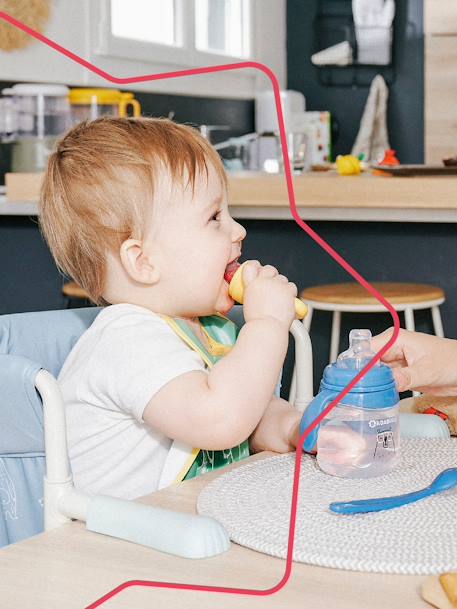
{"x": 185, "y": 55}
{"x": 119, "y": 57}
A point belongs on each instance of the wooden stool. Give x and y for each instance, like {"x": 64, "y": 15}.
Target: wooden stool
{"x": 353, "y": 298}
{"x": 73, "y": 291}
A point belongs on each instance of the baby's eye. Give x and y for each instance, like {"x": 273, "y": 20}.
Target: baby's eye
{"x": 216, "y": 217}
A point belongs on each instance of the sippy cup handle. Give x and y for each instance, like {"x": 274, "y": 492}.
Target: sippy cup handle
{"x": 317, "y": 405}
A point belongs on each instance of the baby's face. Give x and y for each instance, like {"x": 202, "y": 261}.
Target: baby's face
{"x": 196, "y": 239}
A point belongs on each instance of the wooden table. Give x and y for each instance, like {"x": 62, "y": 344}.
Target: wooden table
{"x": 69, "y": 568}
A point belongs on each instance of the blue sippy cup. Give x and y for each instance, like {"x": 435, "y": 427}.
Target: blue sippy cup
{"x": 359, "y": 438}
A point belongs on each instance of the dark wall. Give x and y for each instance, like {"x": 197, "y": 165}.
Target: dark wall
{"x": 346, "y": 103}
{"x": 380, "y": 251}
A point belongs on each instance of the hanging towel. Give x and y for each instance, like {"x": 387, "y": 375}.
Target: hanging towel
{"x": 373, "y": 139}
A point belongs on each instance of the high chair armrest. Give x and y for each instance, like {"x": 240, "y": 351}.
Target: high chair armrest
{"x": 181, "y": 534}
{"x": 301, "y": 392}
{"x": 58, "y": 479}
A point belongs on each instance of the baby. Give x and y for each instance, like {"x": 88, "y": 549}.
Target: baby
{"x": 161, "y": 387}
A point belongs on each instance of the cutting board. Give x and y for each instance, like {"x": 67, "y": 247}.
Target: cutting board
{"x": 417, "y": 170}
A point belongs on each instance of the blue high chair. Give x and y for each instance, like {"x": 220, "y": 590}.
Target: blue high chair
{"x": 36, "y": 489}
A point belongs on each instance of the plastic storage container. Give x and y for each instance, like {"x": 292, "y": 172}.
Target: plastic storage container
{"x": 360, "y": 437}
{"x": 89, "y": 104}
{"x": 8, "y": 117}
{"x": 43, "y": 114}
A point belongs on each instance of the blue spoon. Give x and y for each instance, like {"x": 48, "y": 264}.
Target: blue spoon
{"x": 443, "y": 482}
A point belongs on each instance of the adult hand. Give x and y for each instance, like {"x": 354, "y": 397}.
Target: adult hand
{"x": 421, "y": 362}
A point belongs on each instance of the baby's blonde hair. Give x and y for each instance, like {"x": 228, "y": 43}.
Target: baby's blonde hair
{"x": 100, "y": 183}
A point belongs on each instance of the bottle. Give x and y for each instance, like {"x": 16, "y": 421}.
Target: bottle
{"x": 359, "y": 438}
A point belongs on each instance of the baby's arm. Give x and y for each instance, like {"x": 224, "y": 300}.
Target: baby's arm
{"x": 221, "y": 409}
{"x": 279, "y": 428}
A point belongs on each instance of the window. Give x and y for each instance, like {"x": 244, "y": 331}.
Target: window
{"x": 135, "y": 37}
{"x": 222, "y": 26}
{"x": 146, "y": 20}
{"x": 180, "y": 32}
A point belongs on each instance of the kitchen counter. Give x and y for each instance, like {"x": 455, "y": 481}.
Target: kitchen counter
{"x": 328, "y": 196}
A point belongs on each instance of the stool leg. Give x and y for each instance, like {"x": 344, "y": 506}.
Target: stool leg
{"x": 409, "y": 323}
{"x": 437, "y": 323}
{"x": 293, "y": 384}
{"x": 335, "y": 339}
{"x": 409, "y": 320}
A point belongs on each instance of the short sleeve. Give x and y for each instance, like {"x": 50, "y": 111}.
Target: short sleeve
{"x": 135, "y": 357}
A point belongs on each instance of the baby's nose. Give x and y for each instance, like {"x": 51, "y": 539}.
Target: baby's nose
{"x": 238, "y": 232}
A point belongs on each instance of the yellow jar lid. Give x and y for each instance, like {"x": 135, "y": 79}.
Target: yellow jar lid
{"x": 102, "y": 96}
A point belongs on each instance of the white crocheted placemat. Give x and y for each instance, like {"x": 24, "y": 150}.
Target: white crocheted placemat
{"x": 253, "y": 504}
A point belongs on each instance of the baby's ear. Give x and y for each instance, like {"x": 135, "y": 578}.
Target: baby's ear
{"x": 136, "y": 262}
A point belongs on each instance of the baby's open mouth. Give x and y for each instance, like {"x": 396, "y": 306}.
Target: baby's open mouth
{"x": 231, "y": 269}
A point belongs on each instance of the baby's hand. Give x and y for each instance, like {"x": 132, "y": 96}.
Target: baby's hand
{"x": 267, "y": 294}
{"x": 341, "y": 445}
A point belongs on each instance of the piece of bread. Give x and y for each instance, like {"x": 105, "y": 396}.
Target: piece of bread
{"x": 449, "y": 583}
{"x": 446, "y": 406}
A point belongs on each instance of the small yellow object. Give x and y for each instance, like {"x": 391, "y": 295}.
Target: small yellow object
{"x": 348, "y": 165}
{"x": 236, "y": 291}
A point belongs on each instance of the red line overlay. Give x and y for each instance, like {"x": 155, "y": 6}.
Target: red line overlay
{"x": 293, "y": 208}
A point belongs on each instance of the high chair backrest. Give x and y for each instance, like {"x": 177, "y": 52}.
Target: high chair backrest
{"x": 28, "y": 342}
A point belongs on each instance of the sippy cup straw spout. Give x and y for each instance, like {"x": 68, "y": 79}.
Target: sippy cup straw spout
{"x": 359, "y": 353}
{"x": 236, "y": 290}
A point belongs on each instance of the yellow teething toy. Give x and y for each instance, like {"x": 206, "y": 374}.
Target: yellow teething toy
{"x": 236, "y": 291}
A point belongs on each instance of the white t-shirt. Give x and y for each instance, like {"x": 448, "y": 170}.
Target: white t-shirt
{"x": 110, "y": 375}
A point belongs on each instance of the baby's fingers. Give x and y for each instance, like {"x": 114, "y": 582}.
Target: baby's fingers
{"x": 250, "y": 271}
{"x": 268, "y": 271}
{"x": 293, "y": 288}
